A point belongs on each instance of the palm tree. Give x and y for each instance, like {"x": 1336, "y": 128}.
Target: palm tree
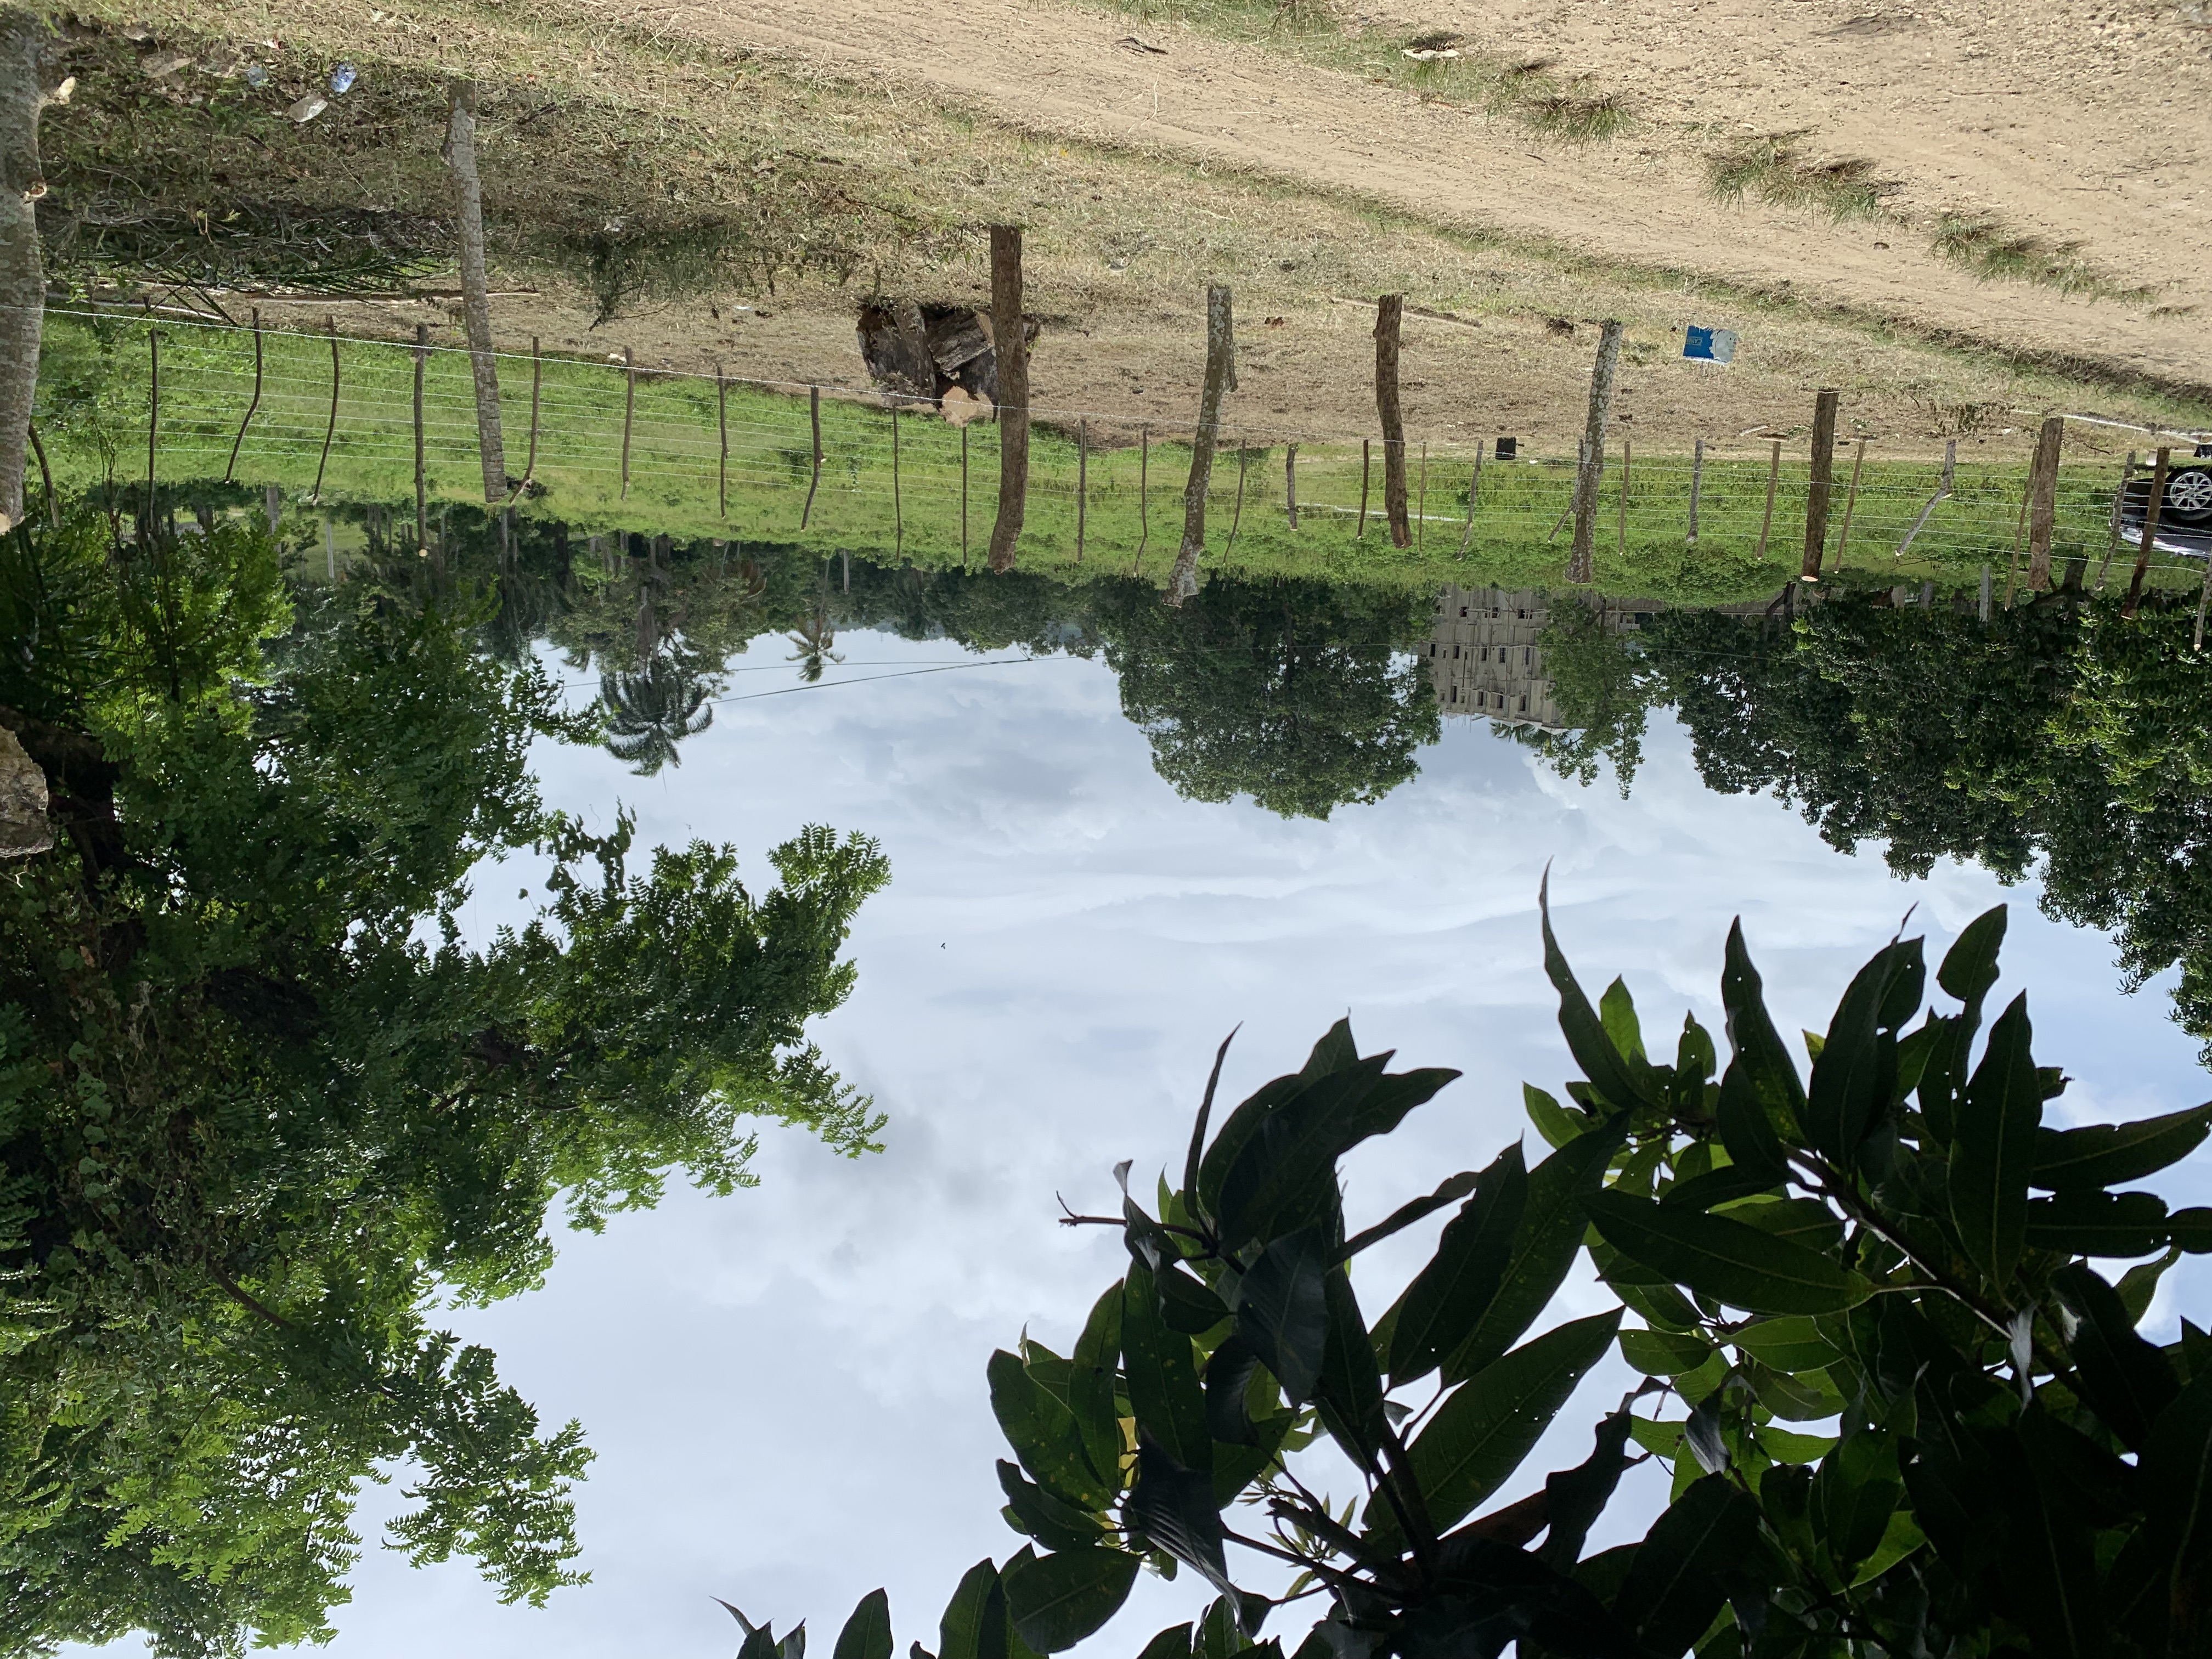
{"x": 651, "y": 712}
{"x": 814, "y": 636}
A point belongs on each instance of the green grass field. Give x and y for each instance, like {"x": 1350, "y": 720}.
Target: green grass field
{"x": 927, "y": 494}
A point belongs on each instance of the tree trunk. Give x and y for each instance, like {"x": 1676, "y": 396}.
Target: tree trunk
{"x": 1220, "y": 377}
{"x": 468, "y": 193}
{"x": 26, "y": 44}
{"x": 1390, "y": 311}
{"x": 1822, "y": 482}
{"x": 2043, "y": 502}
{"x": 1011, "y": 343}
{"x": 1581, "y": 563}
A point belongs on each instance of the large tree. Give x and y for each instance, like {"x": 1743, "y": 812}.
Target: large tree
{"x": 260, "y": 1103}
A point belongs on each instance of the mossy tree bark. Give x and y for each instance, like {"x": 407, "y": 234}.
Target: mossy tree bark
{"x": 476, "y": 303}
{"x": 1220, "y": 378}
{"x": 27, "y": 48}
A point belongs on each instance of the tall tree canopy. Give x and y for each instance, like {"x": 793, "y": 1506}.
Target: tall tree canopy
{"x": 260, "y": 1105}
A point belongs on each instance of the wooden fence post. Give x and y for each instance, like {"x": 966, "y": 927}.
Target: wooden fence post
{"x": 814, "y": 414}
{"x": 1144, "y": 495}
{"x": 1473, "y": 489}
{"x": 461, "y": 153}
{"x": 2043, "y": 500}
{"x": 1421, "y": 503}
{"x": 1290, "y": 483}
{"x": 1366, "y": 464}
{"x": 722, "y": 433}
{"x": 2152, "y": 506}
{"x": 1850, "y": 501}
{"x": 1942, "y": 490}
{"x": 2019, "y": 537}
{"x": 1773, "y": 479}
{"x": 629, "y": 411}
{"x": 898, "y": 506}
{"x": 421, "y": 495}
{"x": 1082, "y": 481}
{"x": 1220, "y": 380}
{"x": 1237, "y": 518}
{"x": 963, "y": 499}
{"x": 1821, "y": 481}
{"x": 1697, "y": 485}
{"x": 154, "y": 417}
{"x": 254, "y": 404}
{"x": 1011, "y": 347}
{"x": 1389, "y": 312}
{"x": 2119, "y": 499}
{"x": 1627, "y": 455}
{"x": 316, "y": 494}
{"x": 1582, "y": 561}
{"x": 536, "y": 384}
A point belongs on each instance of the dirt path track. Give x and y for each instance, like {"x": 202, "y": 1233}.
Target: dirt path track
{"x": 1057, "y": 69}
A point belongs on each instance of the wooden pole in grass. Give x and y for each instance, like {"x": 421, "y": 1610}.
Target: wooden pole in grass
{"x": 1143, "y": 494}
{"x": 2043, "y": 500}
{"x": 2203, "y": 594}
{"x": 1821, "y": 482}
{"x": 1290, "y": 483}
{"x": 722, "y": 432}
{"x": 1389, "y": 312}
{"x": 1473, "y": 489}
{"x": 153, "y": 416}
{"x": 422, "y": 491}
{"x": 963, "y": 499}
{"x": 316, "y": 494}
{"x": 1850, "y": 501}
{"x": 1627, "y": 456}
{"x": 1082, "y": 483}
{"x": 253, "y": 404}
{"x": 1237, "y": 518}
{"x": 1366, "y": 461}
{"x": 1942, "y": 491}
{"x": 1421, "y": 506}
{"x": 898, "y": 506}
{"x": 814, "y": 414}
{"x": 536, "y": 384}
{"x": 1697, "y": 485}
{"x": 1220, "y": 380}
{"x": 2119, "y": 499}
{"x": 46, "y": 473}
{"x": 1010, "y": 345}
{"x": 2019, "y": 536}
{"x": 629, "y": 413}
{"x": 2151, "y": 507}
{"x": 1582, "y": 561}
{"x": 1773, "y": 479}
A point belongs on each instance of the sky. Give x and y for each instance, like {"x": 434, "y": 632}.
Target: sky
{"x": 784, "y": 1387}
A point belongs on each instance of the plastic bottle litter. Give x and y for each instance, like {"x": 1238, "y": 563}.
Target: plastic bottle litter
{"x": 308, "y": 107}
{"x": 257, "y": 74}
{"x": 342, "y": 79}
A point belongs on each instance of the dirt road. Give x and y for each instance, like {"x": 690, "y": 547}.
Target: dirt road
{"x": 2045, "y": 137}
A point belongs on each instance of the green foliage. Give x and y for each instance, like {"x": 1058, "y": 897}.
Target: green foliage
{"x": 260, "y": 1109}
{"x": 2010, "y": 1468}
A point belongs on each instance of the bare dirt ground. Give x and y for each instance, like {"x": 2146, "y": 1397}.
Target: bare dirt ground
{"x": 2088, "y": 125}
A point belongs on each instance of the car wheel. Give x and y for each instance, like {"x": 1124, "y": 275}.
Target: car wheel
{"x": 2189, "y": 495}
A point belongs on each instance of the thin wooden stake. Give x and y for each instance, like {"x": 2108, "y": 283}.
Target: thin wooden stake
{"x": 963, "y": 499}
{"x": 1238, "y": 517}
{"x": 2203, "y": 594}
{"x": 629, "y": 411}
{"x": 2152, "y": 506}
{"x": 722, "y": 431}
{"x": 1850, "y": 500}
{"x": 1421, "y": 503}
{"x": 1819, "y": 482}
{"x": 1082, "y": 483}
{"x": 1942, "y": 491}
{"x": 536, "y": 381}
{"x": 2119, "y": 498}
{"x": 1773, "y": 478}
{"x": 2019, "y": 541}
{"x": 316, "y": 494}
{"x": 153, "y": 416}
{"x": 814, "y": 412}
{"x": 898, "y": 505}
{"x": 46, "y": 473}
{"x": 1627, "y": 458}
{"x": 1143, "y": 494}
{"x": 1290, "y": 483}
{"x": 1697, "y": 485}
{"x": 252, "y": 405}
{"x": 1365, "y": 463}
{"x": 1473, "y": 489}
{"x": 2043, "y": 500}
{"x": 421, "y": 498}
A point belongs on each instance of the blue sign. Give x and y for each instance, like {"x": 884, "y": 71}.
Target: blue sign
{"x": 1709, "y": 345}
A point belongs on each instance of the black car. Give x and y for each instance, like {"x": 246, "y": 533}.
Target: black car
{"x": 2184, "y": 518}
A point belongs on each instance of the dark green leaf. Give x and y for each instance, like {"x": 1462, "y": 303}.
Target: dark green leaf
{"x": 1853, "y": 1491}
{"x": 1574, "y": 1498}
{"x": 1173, "y": 1643}
{"x": 1479, "y": 1435}
{"x": 1994, "y": 1148}
{"x": 1243, "y": 1124}
{"x": 1449, "y": 1296}
{"x": 1664, "y": 1353}
{"x": 2100, "y": 1154}
{"x": 1228, "y": 1373}
{"x": 2177, "y": 1479}
{"x": 1545, "y": 1244}
{"x": 1722, "y": 1186}
{"x": 1281, "y": 1310}
{"x": 1726, "y": 1260}
{"x": 1746, "y": 1130}
{"x": 1450, "y": 1190}
{"x": 1192, "y": 1158}
{"x": 1671, "y": 1593}
{"x": 1175, "y": 1509}
{"x": 2191, "y": 1229}
{"x": 1803, "y": 1221}
{"x": 1163, "y": 1378}
{"x": 1793, "y": 1344}
{"x": 2126, "y": 1380}
{"x": 1032, "y": 1510}
{"x": 1351, "y": 1380}
{"x": 1090, "y": 1379}
{"x": 974, "y": 1625}
{"x": 1757, "y": 1046}
{"x": 1857, "y": 1065}
{"x": 1043, "y": 1434}
{"x": 1558, "y": 1124}
{"x": 2048, "y": 1563}
{"x": 2092, "y": 1222}
{"x": 1187, "y": 1305}
{"x": 1055, "y": 1601}
{"x": 1608, "y": 1072}
{"x": 760, "y": 1639}
{"x": 1616, "y": 1011}
{"x": 867, "y": 1633}
{"x": 2140, "y": 1283}
{"x": 1970, "y": 966}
